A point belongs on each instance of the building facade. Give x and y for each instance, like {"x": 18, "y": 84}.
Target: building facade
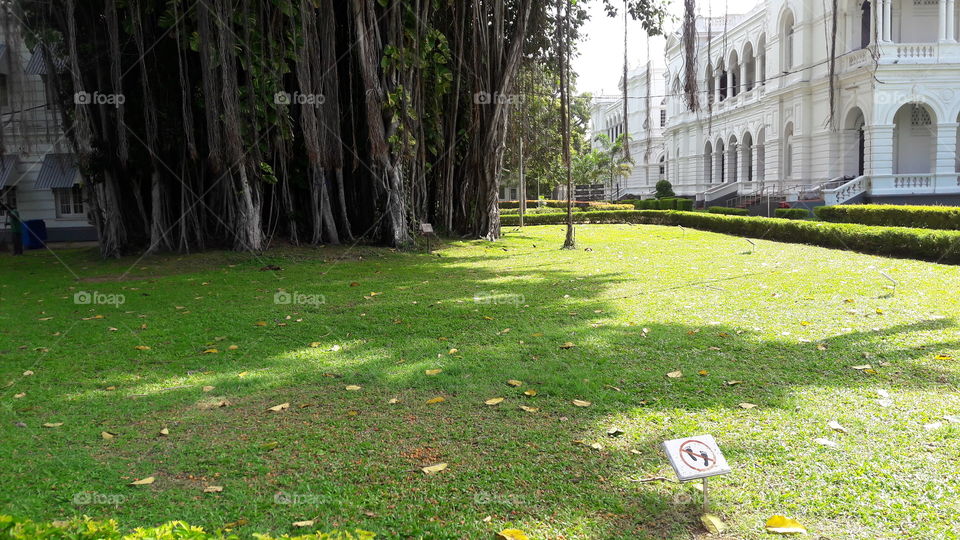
{"x": 766, "y": 126}
{"x": 647, "y": 118}
{"x": 38, "y": 174}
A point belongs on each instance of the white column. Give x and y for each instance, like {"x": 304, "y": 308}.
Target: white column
{"x": 878, "y": 18}
{"x": 729, "y": 83}
{"x": 942, "y": 35}
{"x": 951, "y": 35}
{"x": 879, "y": 151}
{"x": 887, "y": 20}
{"x": 946, "y": 162}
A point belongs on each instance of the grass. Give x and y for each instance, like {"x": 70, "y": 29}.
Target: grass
{"x": 789, "y": 321}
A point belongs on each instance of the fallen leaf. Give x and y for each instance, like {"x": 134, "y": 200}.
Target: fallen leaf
{"x": 316, "y": 344}
{"x": 713, "y": 524}
{"x": 106, "y": 435}
{"x": 825, "y": 442}
{"x": 211, "y": 351}
{"x": 733, "y": 383}
{"x": 703, "y": 373}
{"x": 494, "y": 401}
{"x": 164, "y": 432}
{"x": 952, "y": 419}
{"x": 614, "y": 432}
{"x": 301, "y": 524}
{"x": 143, "y": 482}
{"x": 529, "y": 409}
{"x": 943, "y": 357}
{"x": 213, "y": 489}
{"x": 784, "y": 525}
{"x": 515, "y": 383}
{"x": 675, "y": 374}
{"x": 393, "y": 401}
{"x": 434, "y": 469}
{"x": 834, "y": 425}
{"x": 596, "y": 446}
{"x": 747, "y": 406}
{"x": 142, "y": 348}
{"x": 27, "y": 373}
{"x": 261, "y": 323}
{"x": 233, "y": 347}
{"x": 20, "y": 395}
{"x": 208, "y": 388}
{"x": 270, "y": 445}
{"x": 243, "y": 374}
{"x": 438, "y": 399}
{"x": 511, "y": 534}
{"x": 52, "y": 424}
{"x": 932, "y": 426}
{"x": 863, "y": 367}
{"x": 352, "y": 388}
{"x": 568, "y": 345}
{"x": 433, "y": 371}
{"x": 280, "y": 407}
{"x": 530, "y": 393}
{"x": 581, "y": 403}
{"x": 453, "y": 351}
{"x": 885, "y": 402}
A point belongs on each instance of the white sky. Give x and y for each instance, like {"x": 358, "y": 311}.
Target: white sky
{"x": 600, "y": 64}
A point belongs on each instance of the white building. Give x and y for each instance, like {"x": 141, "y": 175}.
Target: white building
{"x": 645, "y": 92}
{"x": 38, "y": 175}
{"x": 764, "y": 126}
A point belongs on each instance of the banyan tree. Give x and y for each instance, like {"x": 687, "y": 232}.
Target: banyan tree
{"x": 228, "y": 123}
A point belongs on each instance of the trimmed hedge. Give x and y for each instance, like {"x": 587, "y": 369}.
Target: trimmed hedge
{"x": 88, "y": 529}
{"x": 667, "y": 204}
{"x": 792, "y": 213}
{"x": 728, "y": 211}
{"x": 933, "y": 245}
{"x": 550, "y": 203}
{"x": 892, "y": 215}
{"x": 545, "y": 210}
{"x": 685, "y": 205}
{"x": 608, "y": 206}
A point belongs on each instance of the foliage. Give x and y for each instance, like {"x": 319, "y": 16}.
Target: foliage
{"x": 667, "y": 203}
{"x": 685, "y": 205}
{"x": 88, "y": 529}
{"x": 728, "y": 211}
{"x": 664, "y": 189}
{"x": 925, "y": 217}
{"x": 792, "y": 213}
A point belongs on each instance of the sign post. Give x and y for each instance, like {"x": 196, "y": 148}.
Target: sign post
{"x": 426, "y": 230}
{"x": 696, "y": 458}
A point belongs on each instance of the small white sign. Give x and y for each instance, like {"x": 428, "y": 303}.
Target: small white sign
{"x": 696, "y": 457}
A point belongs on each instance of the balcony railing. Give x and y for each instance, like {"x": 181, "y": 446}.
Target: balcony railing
{"x": 916, "y": 184}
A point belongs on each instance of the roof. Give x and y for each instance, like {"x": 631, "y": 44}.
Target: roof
{"x": 37, "y": 65}
{"x": 57, "y": 171}
{"x": 8, "y": 164}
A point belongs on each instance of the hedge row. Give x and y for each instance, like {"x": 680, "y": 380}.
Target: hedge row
{"x": 669, "y": 203}
{"x": 934, "y": 245}
{"x": 728, "y": 211}
{"x": 890, "y": 215}
{"x": 88, "y": 529}
{"x": 792, "y": 213}
{"x": 531, "y": 210}
{"x": 552, "y": 203}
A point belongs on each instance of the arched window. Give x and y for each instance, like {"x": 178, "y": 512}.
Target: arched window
{"x": 708, "y": 162}
{"x": 786, "y": 40}
{"x": 663, "y": 167}
{"x": 749, "y": 67}
{"x": 711, "y": 84}
{"x": 762, "y": 60}
{"x": 721, "y": 75}
{"x": 788, "y": 150}
{"x": 761, "y": 156}
{"x": 734, "y": 74}
{"x": 865, "y": 23}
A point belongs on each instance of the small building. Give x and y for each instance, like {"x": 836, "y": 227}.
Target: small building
{"x": 38, "y": 173}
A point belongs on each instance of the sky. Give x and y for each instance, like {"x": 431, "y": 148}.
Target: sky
{"x": 600, "y": 64}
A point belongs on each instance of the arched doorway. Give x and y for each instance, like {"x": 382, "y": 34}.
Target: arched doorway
{"x": 708, "y": 162}
{"x": 854, "y": 143}
{"x": 734, "y": 159}
{"x": 721, "y": 161}
{"x": 788, "y": 150}
{"x": 761, "y": 155}
{"x": 747, "y": 151}
{"x": 749, "y": 67}
{"x": 914, "y": 139}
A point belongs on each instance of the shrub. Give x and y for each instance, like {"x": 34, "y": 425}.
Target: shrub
{"x": 88, "y": 529}
{"x": 534, "y": 210}
{"x": 667, "y": 204}
{"x": 934, "y": 245}
{"x": 792, "y": 213}
{"x": 608, "y": 206}
{"x": 550, "y": 203}
{"x": 727, "y": 211}
{"x": 924, "y": 217}
{"x": 664, "y": 189}
{"x": 685, "y": 205}
{"x": 648, "y": 204}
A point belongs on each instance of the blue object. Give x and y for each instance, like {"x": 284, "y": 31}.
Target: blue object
{"x": 34, "y": 234}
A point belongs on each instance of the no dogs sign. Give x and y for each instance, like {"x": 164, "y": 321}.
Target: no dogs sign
{"x": 696, "y": 457}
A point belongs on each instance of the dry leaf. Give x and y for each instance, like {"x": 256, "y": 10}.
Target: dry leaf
{"x": 352, "y": 388}
{"x": 932, "y": 426}
{"x": 142, "y": 348}
{"x": 511, "y": 534}
{"x": 515, "y": 383}
{"x": 144, "y": 482}
{"x": 233, "y": 347}
{"x": 52, "y": 424}
{"x": 208, "y": 388}
{"x": 213, "y": 489}
{"x": 529, "y": 409}
{"x": 280, "y": 407}
{"x": 438, "y": 399}
{"x": 675, "y": 374}
{"x": 581, "y": 403}
{"x": 530, "y": 393}
{"x": 453, "y": 351}
{"x": 211, "y": 351}
{"x": 614, "y": 432}
{"x": 20, "y": 395}
{"x": 301, "y": 524}
{"x": 494, "y": 401}
{"x": 27, "y": 373}
{"x": 733, "y": 383}
{"x": 106, "y": 435}
{"x": 164, "y": 432}
{"x": 434, "y": 469}
{"x": 834, "y": 425}
{"x": 784, "y": 525}
{"x": 713, "y": 524}
{"x": 863, "y": 367}
{"x": 261, "y": 323}
{"x": 825, "y": 442}
{"x": 952, "y": 419}
{"x": 393, "y": 401}
{"x": 243, "y": 374}
{"x": 703, "y": 373}
{"x": 433, "y": 371}
{"x": 943, "y": 357}
{"x": 747, "y": 406}
{"x": 316, "y": 344}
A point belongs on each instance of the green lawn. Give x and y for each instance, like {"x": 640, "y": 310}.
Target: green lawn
{"x": 789, "y": 321}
